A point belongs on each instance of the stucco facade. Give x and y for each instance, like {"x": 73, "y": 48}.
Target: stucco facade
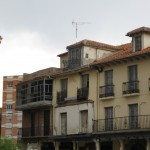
{"x": 99, "y": 100}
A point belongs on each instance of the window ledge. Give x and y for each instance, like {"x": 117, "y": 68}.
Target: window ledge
{"x": 131, "y": 94}
{"x": 108, "y": 97}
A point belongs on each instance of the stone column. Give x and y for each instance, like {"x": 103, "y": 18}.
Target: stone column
{"x": 97, "y": 144}
{"x": 56, "y": 144}
{"x": 148, "y": 144}
{"x": 74, "y": 145}
{"x": 121, "y": 144}
{"x": 39, "y": 146}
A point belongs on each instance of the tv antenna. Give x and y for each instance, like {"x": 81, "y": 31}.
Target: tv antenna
{"x": 76, "y": 24}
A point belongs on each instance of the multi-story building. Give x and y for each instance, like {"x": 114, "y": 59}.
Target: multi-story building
{"x": 123, "y": 115}
{"x": 34, "y": 99}
{"x": 75, "y": 93}
{"x": 11, "y": 119}
{"x": 98, "y": 100}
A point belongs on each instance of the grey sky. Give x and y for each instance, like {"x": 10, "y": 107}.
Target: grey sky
{"x": 35, "y": 31}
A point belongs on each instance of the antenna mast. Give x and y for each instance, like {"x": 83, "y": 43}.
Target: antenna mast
{"x": 76, "y": 25}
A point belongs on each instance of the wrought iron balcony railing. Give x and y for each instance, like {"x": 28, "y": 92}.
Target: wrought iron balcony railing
{"x": 82, "y": 93}
{"x": 35, "y": 131}
{"x": 131, "y": 87}
{"x": 122, "y": 123}
{"x": 106, "y": 91}
{"x": 61, "y": 96}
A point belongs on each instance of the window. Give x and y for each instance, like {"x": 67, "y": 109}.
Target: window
{"x": 109, "y": 77}
{"x": 83, "y": 92}
{"x": 109, "y": 83}
{"x": 84, "y": 121}
{"x": 138, "y": 45}
{"x": 8, "y": 132}
{"x": 9, "y": 84}
{"x": 132, "y": 73}
{"x": 63, "y": 123}
{"x": 8, "y": 119}
{"x": 64, "y": 84}
{"x": 74, "y": 59}
{"x": 85, "y": 80}
{"x": 133, "y": 115}
{"x": 9, "y": 108}
{"x": 109, "y": 118}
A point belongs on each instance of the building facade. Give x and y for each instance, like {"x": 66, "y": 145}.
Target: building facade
{"x": 11, "y": 120}
{"x": 99, "y": 98}
{"x": 123, "y": 104}
{"x": 34, "y": 99}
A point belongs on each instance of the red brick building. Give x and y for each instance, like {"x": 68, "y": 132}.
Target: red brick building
{"x": 11, "y": 119}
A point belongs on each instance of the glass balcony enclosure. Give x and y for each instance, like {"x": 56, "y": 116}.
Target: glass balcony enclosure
{"x": 34, "y": 92}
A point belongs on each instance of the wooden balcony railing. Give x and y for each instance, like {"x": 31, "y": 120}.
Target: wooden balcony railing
{"x": 122, "y": 123}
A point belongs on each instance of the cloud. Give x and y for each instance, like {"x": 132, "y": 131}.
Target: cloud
{"x": 26, "y": 52}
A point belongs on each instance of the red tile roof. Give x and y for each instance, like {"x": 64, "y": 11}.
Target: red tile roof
{"x": 93, "y": 44}
{"x": 126, "y": 52}
{"x": 139, "y": 30}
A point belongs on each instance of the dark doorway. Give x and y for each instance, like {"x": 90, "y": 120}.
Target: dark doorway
{"x": 47, "y": 146}
{"x": 106, "y": 146}
{"x": 46, "y": 122}
{"x": 136, "y": 145}
{"x": 32, "y": 124}
{"x": 66, "y": 146}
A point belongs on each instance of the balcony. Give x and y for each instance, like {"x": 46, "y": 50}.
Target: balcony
{"x": 61, "y": 96}
{"x": 34, "y": 94}
{"x": 41, "y": 131}
{"x": 34, "y": 100}
{"x": 131, "y": 87}
{"x": 122, "y": 123}
{"x": 106, "y": 91}
{"x": 71, "y": 64}
{"x": 82, "y": 94}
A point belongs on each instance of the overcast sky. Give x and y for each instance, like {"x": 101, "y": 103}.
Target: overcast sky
{"x": 35, "y": 31}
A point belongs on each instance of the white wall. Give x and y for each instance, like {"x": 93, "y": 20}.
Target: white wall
{"x": 73, "y": 118}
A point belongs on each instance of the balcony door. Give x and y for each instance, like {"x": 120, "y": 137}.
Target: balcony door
{"x": 63, "y": 123}
{"x": 109, "y": 118}
{"x": 132, "y": 75}
{"x": 133, "y": 115}
{"x": 64, "y": 87}
{"x": 84, "y": 121}
{"x": 85, "y": 80}
{"x": 108, "y": 83}
{"x": 32, "y": 124}
{"x": 46, "y": 122}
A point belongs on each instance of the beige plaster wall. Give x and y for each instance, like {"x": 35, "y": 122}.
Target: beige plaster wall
{"x": 120, "y": 102}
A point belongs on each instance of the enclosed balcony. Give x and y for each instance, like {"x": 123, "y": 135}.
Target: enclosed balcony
{"x": 141, "y": 122}
{"x": 40, "y": 131}
{"x": 61, "y": 96}
{"x": 34, "y": 94}
{"x": 106, "y": 91}
{"x": 82, "y": 93}
{"x": 131, "y": 87}
{"x": 72, "y": 63}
